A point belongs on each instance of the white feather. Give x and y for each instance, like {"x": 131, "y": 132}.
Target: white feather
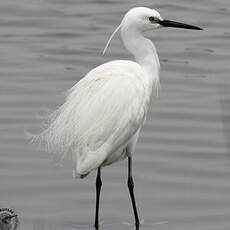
{"x": 99, "y": 122}
{"x": 93, "y": 124}
{"x": 111, "y": 37}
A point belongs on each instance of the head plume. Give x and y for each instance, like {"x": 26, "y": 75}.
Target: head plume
{"x": 111, "y": 37}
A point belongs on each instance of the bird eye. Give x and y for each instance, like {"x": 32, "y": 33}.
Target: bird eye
{"x": 151, "y": 19}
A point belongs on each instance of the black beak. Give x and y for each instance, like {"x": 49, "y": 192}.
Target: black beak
{"x": 168, "y": 23}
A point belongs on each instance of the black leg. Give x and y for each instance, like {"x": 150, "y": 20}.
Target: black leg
{"x": 131, "y": 191}
{"x": 98, "y": 190}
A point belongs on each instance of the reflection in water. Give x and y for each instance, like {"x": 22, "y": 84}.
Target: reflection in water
{"x": 40, "y": 225}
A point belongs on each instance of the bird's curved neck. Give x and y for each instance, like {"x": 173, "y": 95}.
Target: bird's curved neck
{"x": 144, "y": 52}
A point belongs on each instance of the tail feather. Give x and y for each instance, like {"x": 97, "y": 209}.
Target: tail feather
{"x": 91, "y": 161}
{"x": 56, "y": 134}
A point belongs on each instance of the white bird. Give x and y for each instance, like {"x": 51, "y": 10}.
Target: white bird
{"x": 100, "y": 121}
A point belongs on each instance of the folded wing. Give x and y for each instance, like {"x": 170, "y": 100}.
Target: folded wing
{"x": 101, "y": 113}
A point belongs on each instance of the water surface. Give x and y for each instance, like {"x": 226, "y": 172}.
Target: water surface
{"x": 182, "y": 161}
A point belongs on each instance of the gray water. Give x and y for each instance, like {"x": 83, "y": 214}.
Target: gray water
{"x": 182, "y": 161}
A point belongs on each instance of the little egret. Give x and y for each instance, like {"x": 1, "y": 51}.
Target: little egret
{"x": 100, "y": 121}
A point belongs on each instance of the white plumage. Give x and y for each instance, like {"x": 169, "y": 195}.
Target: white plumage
{"x": 100, "y": 117}
{"x": 99, "y": 122}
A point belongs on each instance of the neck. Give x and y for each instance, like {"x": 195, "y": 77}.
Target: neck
{"x": 144, "y": 52}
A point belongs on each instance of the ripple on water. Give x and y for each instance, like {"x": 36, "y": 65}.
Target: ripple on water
{"x": 182, "y": 162}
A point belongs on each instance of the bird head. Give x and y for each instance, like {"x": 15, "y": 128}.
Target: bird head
{"x": 141, "y": 19}
{"x": 145, "y": 19}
